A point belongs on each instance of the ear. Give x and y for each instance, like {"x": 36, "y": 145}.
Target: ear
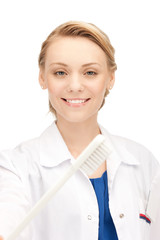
{"x": 42, "y": 80}
{"x": 111, "y": 81}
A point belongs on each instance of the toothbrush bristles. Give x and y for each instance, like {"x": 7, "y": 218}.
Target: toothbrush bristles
{"x": 94, "y": 161}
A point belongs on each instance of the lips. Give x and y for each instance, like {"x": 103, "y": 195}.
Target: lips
{"x": 76, "y": 100}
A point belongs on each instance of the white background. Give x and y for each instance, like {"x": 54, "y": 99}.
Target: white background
{"x": 131, "y": 109}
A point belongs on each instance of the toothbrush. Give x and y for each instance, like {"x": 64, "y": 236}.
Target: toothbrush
{"x": 88, "y": 161}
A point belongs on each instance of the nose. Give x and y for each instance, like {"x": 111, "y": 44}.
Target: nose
{"x": 75, "y": 84}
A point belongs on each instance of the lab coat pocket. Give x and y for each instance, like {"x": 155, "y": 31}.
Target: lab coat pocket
{"x": 144, "y": 221}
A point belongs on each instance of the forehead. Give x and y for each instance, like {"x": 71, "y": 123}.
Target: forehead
{"x": 71, "y": 49}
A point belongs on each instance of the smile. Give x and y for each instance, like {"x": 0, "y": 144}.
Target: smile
{"x": 76, "y": 102}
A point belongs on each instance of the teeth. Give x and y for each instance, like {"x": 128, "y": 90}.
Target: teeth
{"x": 75, "y": 101}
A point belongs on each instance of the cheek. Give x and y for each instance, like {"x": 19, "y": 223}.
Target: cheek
{"x": 54, "y": 89}
{"x": 99, "y": 88}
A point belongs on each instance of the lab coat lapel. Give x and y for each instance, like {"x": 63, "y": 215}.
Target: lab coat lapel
{"x": 119, "y": 155}
{"x": 53, "y": 149}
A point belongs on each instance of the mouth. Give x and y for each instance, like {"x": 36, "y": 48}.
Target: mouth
{"x": 75, "y": 102}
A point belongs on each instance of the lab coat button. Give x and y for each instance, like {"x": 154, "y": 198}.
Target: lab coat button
{"x": 89, "y": 217}
{"x": 121, "y": 215}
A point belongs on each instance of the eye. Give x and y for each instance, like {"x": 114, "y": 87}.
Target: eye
{"x": 90, "y": 73}
{"x": 60, "y": 73}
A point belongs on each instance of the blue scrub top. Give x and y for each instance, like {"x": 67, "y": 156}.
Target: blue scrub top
{"x": 107, "y": 229}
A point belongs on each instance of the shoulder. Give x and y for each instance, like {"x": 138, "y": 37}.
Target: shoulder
{"x": 20, "y": 157}
{"x": 139, "y": 151}
{"x": 122, "y": 144}
{"x": 135, "y": 148}
{"x": 131, "y": 145}
{"x": 27, "y": 150}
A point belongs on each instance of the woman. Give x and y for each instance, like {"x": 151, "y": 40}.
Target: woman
{"x": 77, "y": 67}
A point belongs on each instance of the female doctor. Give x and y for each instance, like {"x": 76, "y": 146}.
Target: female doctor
{"x": 77, "y": 67}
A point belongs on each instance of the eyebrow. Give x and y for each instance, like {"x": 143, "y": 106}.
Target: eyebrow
{"x": 84, "y": 65}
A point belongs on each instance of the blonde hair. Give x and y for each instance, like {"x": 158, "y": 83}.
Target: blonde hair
{"x": 80, "y": 29}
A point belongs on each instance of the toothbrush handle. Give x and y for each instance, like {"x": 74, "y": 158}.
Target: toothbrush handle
{"x": 42, "y": 202}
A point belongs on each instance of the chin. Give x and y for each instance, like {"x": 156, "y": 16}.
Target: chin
{"x": 77, "y": 117}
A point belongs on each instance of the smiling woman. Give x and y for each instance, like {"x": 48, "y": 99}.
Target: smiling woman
{"x": 119, "y": 200}
{"x": 75, "y": 84}
{"x": 87, "y": 32}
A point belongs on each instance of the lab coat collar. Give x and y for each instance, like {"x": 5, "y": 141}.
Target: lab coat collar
{"x": 120, "y": 152}
{"x": 54, "y": 151}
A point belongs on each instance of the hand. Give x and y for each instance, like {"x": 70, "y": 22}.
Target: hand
{"x": 1, "y": 238}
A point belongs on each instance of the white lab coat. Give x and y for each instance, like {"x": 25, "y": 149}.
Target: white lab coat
{"x": 27, "y": 172}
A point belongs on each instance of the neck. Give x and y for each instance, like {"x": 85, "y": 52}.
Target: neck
{"x": 78, "y": 135}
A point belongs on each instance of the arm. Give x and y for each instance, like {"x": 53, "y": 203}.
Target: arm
{"x": 14, "y": 203}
